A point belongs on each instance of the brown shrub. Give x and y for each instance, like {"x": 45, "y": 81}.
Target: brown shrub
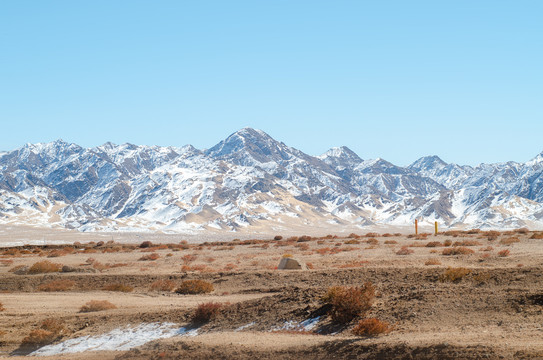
{"x": 467, "y": 243}
{"x": 187, "y": 259}
{"x": 118, "y": 287}
{"x": 146, "y": 244}
{"x": 163, "y": 285}
{"x": 371, "y": 235}
{"x": 349, "y": 302}
{"x": 390, "y": 242}
{"x": 510, "y": 240}
{"x": 432, "y": 262}
{"x": 404, "y": 251}
{"x": 522, "y": 231}
{"x": 537, "y": 236}
{"x": 457, "y": 250}
{"x": 2, "y": 308}
{"x": 434, "y": 244}
{"x": 504, "y": 253}
{"x": 149, "y": 257}
{"x": 372, "y": 241}
{"x": 371, "y": 327}
{"x": 44, "y": 266}
{"x": 5, "y": 262}
{"x": 57, "y": 285}
{"x": 447, "y": 243}
{"x": 277, "y": 237}
{"x": 454, "y": 274}
{"x": 194, "y": 287}
{"x": 206, "y": 312}
{"x": 97, "y": 305}
{"x": 352, "y": 242}
{"x": 56, "y": 326}
{"x": 38, "y": 338}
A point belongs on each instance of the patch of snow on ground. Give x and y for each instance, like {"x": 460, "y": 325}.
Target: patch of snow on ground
{"x": 306, "y": 325}
{"x": 118, "y": 339}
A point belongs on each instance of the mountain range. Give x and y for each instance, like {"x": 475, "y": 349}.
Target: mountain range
{"x": 251, "y": 181}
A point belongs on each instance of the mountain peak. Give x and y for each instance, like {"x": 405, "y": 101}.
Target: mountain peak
{"x": 427, "y": 162}
{"x": 340, "y": 158}
{"x": 247, "y": 140}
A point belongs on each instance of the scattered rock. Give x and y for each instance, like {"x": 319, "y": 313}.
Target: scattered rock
{"x": 291, "y": 264}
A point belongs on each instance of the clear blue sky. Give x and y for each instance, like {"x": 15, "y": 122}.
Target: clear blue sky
{"x": 391, "y": 79}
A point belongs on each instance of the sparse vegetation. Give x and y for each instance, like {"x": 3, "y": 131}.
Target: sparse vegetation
{"x": 371, "y": 327}
{"x": 504, "y": 253}
{"x": 149, "y": 257}
{"x": 509, "y": 240}
{"x": 57, "y": 285}
{"x": 349, "y": 302}
{"x": 192, "y": 287}
{"x": 432, "y": 262}
{"x": 457, "y": 250}
{"x": 45, "y": 266}
{"x": 206, "y": 312}
{"x": 404, "y": 251}
{"x": 454, "y": 275}
{"x": 163, "y": 285}
{"x": 118, "y": 287}
{"x": 97, "y": 305}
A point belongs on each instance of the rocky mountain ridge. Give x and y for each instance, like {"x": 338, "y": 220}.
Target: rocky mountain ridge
{"x": 251, "y": 181}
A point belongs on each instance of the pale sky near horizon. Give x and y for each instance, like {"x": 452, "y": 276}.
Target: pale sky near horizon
{"x": 391, "y": 79}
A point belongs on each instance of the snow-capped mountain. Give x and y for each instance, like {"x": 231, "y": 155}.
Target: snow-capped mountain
{"x": 251, "y": 181}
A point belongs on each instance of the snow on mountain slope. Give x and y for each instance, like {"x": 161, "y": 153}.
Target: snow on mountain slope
{"x": 249, "y": 180}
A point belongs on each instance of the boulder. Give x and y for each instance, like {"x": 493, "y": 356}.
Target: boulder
{"x": 288, "y": 263}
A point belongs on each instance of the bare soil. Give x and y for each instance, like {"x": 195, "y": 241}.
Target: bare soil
{"x": 493, "y": 312}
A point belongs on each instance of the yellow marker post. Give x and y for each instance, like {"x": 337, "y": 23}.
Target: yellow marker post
{"x": 436, "y": 227}
{"x": 416, "y": 227}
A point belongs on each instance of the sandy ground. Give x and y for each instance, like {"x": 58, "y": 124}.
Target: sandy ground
{"x": 495, "y": 311}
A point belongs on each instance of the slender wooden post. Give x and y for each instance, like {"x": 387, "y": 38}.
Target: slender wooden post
{"x": 436, "y": 227}
{"x": 416, "y": 227}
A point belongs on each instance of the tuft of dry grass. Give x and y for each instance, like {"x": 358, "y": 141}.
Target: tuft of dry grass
{"x": 454, "y": 275}
{"x": 97, "y": 305}
{"x": 371, "y": 327}
{"x": 163, "y": 285}
{"x": 206, "y": 312}
{"x": 457, "y": 250}
{"x": 404, "y": 251}
{"x": 57, "y": 285}
{"x": 118, "y": 287}
{"x": 349, "y": 302}
{"x": 45, "y": 266}
{"x": 193, "y": 287}
{"x": 432, "y": 262}
{"x": 149, "y": 257}
{"x": 509, "y": 240}
{"x": 38, "y": 337}
{"x": 2, "y": 308}
{"x": 504, "y": 253}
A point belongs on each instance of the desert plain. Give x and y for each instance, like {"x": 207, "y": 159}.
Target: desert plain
{"x": 468, "y": 294}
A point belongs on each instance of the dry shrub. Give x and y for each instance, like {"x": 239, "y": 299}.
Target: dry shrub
{"x": 349, "y": 302}
{"x": 146, "y": 244}
{"x": 187, "y": 259}
{"x": 304, "y": 238}
{"x": 488, "y": 248}
{"x": 454, "y": 274}
{"x": 149, "y": 257}
{"x": 277, "y": 237}
{"x": 163, "y": 285}
{"x": 371, "y": 327}
{"x": 371, "y": 235}
{"x": 537, "y": 236}
{"x": 2, "y": 308}
{"x": 194, "y": 287}
{"x": 97, "y": 305}
{"x": 206, "y": 312}
{"x": 352, "y": 242}
{"x": 56, "y": 326}
{"x": 197, "y": 267}
{"x": 510, "y": 240}
{"x": 38, "y": 338}
{"x": 404, "y": 251}
{"x": 302, "y": 247}
{"x": 432, "y": 262}
{"x": 57, "y": 285}
{"x": 57, "y": 253}
{"x": 504, "y": 253}
{"x": 522, "y": 231}
{"x": 457, "y": 250}
{"x": 372, "y": 241}
{"x": 45, "y": 266}
{"x": 434, "y": 244}
{"x": 118, "y": 287}
{"x": 16, "y": 268}
{"x": 447, "y": 243}
{"x": 387, "y": 235}
{"x": 390, "y": 242}
{"x": 467, "y": 243}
